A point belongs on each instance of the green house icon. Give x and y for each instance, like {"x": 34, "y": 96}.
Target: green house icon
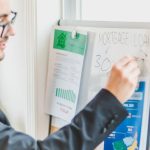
{"x": 61, "y": 40}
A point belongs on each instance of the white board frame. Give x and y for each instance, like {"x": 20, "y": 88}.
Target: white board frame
{"x": 105, "y": 24}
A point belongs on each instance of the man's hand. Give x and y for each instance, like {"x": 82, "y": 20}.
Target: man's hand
{"x": 123, "y": 78}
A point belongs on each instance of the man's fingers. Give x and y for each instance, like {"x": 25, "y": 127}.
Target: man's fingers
{"x": 131, "y": 65}
{"x": 125, "y": 60}
{"x": 123, "y": 78}
{"x": 135, "y": 72}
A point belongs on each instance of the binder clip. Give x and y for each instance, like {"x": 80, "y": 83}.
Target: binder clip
{"x": 74, "y": 34}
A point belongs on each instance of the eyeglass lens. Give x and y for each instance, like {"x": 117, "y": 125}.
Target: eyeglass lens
{"x": 4, "y": 28}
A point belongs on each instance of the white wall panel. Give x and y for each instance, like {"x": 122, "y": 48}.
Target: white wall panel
{"x": 13, "y": 73}
{"x": 116, "y": 10}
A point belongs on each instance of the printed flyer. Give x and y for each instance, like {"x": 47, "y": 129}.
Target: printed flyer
{"x": 66, "y": 63}
{"x": 127, "y": 135}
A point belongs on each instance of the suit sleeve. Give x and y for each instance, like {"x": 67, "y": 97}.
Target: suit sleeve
{"x": 3, "y": 118}
{"x": 87, "y": 129}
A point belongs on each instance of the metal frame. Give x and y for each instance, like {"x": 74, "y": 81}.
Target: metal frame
{"x": 104, "y": 24}
{"x": 71, "y": 9}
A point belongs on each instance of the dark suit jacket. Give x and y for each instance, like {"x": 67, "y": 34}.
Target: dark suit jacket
{"x": 87, "y": 129}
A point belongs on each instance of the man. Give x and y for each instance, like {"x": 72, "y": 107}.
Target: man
{"x": 90, "y": 126}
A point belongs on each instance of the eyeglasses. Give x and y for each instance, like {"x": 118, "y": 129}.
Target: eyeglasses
{"x": 4, "y": 27}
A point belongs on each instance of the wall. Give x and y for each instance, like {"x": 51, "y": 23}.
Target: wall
{"x": 48, "y": 14}
{"x": 13, "y": 74}
{"x": 116, "y": 10}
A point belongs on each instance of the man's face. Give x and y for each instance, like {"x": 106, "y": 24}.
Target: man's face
{"x": 5, "y": 13}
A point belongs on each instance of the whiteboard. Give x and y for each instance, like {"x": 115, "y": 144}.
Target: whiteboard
{"x": 108, "y": 42}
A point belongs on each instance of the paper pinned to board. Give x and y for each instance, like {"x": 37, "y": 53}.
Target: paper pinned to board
{"x": 66, "y": 62}
{"x": 110, "y": 45}
{"x": 129, "y": 134}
